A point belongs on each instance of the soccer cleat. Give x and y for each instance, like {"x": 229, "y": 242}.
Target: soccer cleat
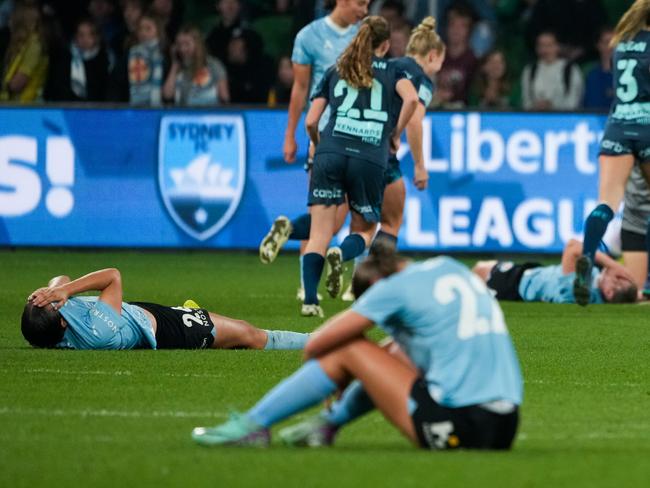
{"x": 300, "y": 295}
{"x": 313, "y": 432}
{"x": 334, "y": 276}
{"x": 348, "y": 296}
{"x": 582, "y": 282}
{"x": 237, "y": 431}
{"x": 191, "y": 304}
{"x": 311, "y": 310}
{"x": 275, "y": 239}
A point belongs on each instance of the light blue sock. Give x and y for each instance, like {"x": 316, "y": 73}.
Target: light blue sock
{"x": 285, "y": 339}
{"x": 354, "y": 403}
{"x": 303, "y": 389}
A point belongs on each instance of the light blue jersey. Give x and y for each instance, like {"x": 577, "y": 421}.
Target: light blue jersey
{"x": 319, "y": 44}
{"x": 93, "y": 324}
{"x": 550, "y": 284}
{"x": 450, "y": 325}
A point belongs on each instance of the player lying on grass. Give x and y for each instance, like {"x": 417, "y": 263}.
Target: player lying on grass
{"x": 532, "y": 282}
{"x": 53, "y": 317}
{"x": 460, "y": 386}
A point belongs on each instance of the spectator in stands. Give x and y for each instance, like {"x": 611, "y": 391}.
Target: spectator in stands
{"x": 460, "y": 62}
{"x": 280, "y": 93}
{"x": 25, "y": 63}
{"x": 195, "y": 78}
{"x": 393, "y": 12}
{"x": 492, "y": 87}
{"x": 576, "y": 24}
{"x": 170, "y": 13}
{"x": 146, "y": 63}
{"x": 105, "y": 15}
{"x": 411, "y": 11}
{"x": 118, "y": 89}
{"x": 6, "y": 7}
{"x": 399, "y": 39}
{"x": 80, "y": 71}
{"x": 231, "y": 25}
{"x": 249, "y": 77}
{"x": 599, "y": 85}
{"x": 551, "y": 82}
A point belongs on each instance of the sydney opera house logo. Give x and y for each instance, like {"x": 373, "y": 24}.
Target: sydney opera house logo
{"x": 201, "y": 171}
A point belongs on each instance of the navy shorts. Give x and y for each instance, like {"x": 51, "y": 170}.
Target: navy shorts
{"x": 620, "y": 140}
{"x": 181, "y": 327}
{"x": 393, "y": 171}
{"x": 632, "y": 241}
{"x": 471, "y": 427}
{"x": 336, "y": 175}
{"x": 505, "y": 278}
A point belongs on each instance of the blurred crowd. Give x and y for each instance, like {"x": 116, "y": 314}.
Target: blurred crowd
{"x": 501, "y": 54}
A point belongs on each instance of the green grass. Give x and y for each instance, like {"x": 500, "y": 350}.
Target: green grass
{"x": 91, "y": 418}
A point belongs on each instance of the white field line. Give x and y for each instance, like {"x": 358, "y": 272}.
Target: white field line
{"x": 108, "y": 373}
{"x": 85, "y": 413}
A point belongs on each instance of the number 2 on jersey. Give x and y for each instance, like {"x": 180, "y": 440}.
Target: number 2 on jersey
{"x": 453, "y": 287}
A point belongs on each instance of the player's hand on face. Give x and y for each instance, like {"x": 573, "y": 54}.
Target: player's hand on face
{"x": 47, "y": 295}
{"x": 289, "y": 149}
{"x": 421, "y": 178}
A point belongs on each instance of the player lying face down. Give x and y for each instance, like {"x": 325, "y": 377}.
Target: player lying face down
{"x": 54, "y": 317}
{"x": 460, "y": 387}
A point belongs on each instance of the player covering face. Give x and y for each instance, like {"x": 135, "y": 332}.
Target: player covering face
{"x": 455, "y": 383}
{"x": 54, "y": 317}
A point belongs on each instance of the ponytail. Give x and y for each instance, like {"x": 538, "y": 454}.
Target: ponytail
{"x": 425, "y": 39}
{"x": 635, "y": 19}
{"x": 355, "y": 64}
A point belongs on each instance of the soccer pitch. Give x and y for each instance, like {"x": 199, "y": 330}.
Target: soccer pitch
{"x": 113, "y": 418}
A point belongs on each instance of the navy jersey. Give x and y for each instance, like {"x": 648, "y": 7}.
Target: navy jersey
{"x": 360, "y": 123}
{"x": 408, "y": 68}
{"x": 631, "y": 69}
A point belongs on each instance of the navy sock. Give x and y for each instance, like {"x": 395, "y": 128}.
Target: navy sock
{"x": 595, "y": 227}
{"x": 384, "y": 238}
{"x": 312, "y": 268}
{"x": 303, "y": 389}
{"x": 301, "y": 226}
{"x": 354, "y": 403}
{"x": 352, "y": 246}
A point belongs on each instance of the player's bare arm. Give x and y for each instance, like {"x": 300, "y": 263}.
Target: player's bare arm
{"x": 299, "y": 92}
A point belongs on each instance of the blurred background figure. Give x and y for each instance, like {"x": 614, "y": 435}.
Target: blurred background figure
{"x": 250, "y": 72}
{"x": 195, "y": 78}
{"x": 105, "y": 14}
{"x": 599, "y": 84}
{"x": 280, "y": 92}
{"x": 231, "y": 24}
{"x": 399, "y": 39}
{"x": 170, "y": 13}
{"x": 79, "y": 71}
{"x": 26, "y": 60}
{"x": 146, "y": 63}
{"x": 551, "y": 82}
{"x": 118, "y": 89}
{"x": 460, "y": 62}
{"x": 492, "y": 87}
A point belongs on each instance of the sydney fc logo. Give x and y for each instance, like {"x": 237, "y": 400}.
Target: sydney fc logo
{"x": 201, "y": 170}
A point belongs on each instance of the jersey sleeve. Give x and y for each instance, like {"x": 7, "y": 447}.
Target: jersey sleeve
{"x": 323, "y": 88}
{"x": 425, "y": 92}
{"x": 380, "y": 303}
{"x": 301, "y": 53}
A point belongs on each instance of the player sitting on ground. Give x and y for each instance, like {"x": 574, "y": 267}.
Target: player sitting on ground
{"x": 53, "y": 317}
{"x": 461, "y": 386}
{"x": 532, "y": 282}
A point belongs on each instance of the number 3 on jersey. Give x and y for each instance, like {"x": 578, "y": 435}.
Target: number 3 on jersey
{"x": 471, "y": 321}
{"x": 629, "y": 88}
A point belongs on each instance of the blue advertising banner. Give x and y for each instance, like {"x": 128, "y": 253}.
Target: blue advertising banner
{"x": 508, "y": 182}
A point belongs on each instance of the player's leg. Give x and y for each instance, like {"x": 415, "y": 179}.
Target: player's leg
{"x": 635, "y": 255}
{"x": 232, "y": 333}
{"x": 392, "y": 213}
{"x": 387, "y": 381}
{"x": 645, "y": 170}
{"x": 614, "y": 173}
{"x": 483, "y": 269}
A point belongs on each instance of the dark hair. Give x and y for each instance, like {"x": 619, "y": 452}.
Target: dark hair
{"x": 395, "y": 5}
{"x": 625, "y": 295}
{"x": 382, "y": 262}
{"x": 462, "y": 9}
{"x": 41, "y": 326}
